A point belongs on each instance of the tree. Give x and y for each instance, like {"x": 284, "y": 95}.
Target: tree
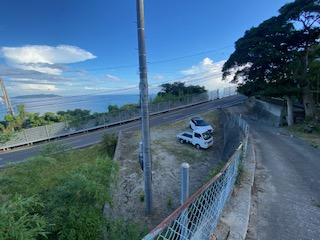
{"x": 314, "y": 78}
{"x": 267, "y": 59}
{"x": 262, "y": 63}
{"x": 178, "y": 89}
{"x": 305, "y": 16}
{"x": 35, "y": 120}
{"x": 113, "y": 108}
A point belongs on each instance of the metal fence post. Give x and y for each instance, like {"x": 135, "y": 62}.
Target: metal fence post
{"x": 184, "y": 195}
{"x": 185, "y": 182}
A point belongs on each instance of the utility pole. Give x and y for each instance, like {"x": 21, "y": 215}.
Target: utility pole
{"x": 6, "y": 98}
{"x": 146, "y": 150}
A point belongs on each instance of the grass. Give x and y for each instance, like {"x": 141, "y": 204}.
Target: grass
{"x": 67, "y": 183}
{"x": 41, "y": 172}
{"x": 184, "y": 152}
{"x": 169, "y": 202}
{"x": 307, "y": 130}
{"x": 214, "y": 171}
{"x": 141, "y": 196}
{"x": 241, "y": 173}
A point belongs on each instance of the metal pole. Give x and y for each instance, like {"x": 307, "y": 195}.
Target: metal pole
{"x": 185, "y": 182}
{"x": 184, "y": 195}
{"x": 144, "y": 108}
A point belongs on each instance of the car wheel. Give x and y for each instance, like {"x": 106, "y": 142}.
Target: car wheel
{"x": 197, "y": 146}
{"x": 181, "y": 141}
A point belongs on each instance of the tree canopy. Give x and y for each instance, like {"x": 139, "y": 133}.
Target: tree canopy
{"x": 273, "y": 59}
{"x": 180, "y": 89}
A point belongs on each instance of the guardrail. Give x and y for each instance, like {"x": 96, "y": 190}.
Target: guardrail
{"x": 58, "y": 130}
{"x": 198, "y": 216}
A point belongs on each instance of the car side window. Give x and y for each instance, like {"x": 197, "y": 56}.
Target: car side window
{"x": 197, "y": 135}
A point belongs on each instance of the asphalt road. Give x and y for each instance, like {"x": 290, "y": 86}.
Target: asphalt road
{"x": 286, "y": 193}
{"x": 88, "y": 139}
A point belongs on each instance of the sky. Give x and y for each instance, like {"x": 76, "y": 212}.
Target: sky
{"x": 72, "y": 47}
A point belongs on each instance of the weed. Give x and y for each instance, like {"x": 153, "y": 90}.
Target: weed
{"x": 214, "y": 171}
{"x": 240, "y": 174}
{"x": 309, "y": 130}
{"x": 169, "y": 201}
{"x": 109, "y": 142}
{"x": 141, "y": 196}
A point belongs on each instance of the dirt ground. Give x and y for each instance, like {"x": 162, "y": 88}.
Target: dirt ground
{"x": 167, "y": 155}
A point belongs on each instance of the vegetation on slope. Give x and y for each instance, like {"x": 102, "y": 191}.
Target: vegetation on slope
{"x": 60, "y": 194}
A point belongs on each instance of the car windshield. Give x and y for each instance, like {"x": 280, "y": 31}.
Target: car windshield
{"x": 206, "y": 135}
{"x": 201, "y": 122}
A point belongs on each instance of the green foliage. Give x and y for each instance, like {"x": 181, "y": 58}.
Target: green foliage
{"x": 109, "y": 143}
{"x": 27, "y": 120}
{"x": 314, "y": 77}
{"x": 75, "y": 203}
{"x": 308, "y": 130}
{"x": 19, "y": 219}
{"x": 214, "y": 171}
{"x": 72, "y": 192}
{"x": 241, "y": 173}
{"x": 169, "y": 201}
{"x": 28, "y": 178}
{"x": 113, "y": 108}
{"x": 5, "y": 137}
{"x": 77, "y": 222}
{"x": 75, "y": 117}
{"x": 55, "y": 148}
{"x": 273, "y": 58}
{"x": 176, "y": 90}
{"x": 141, "y": 196}
{"x": 129, "y": 106}
{"x": 120, "y": 229}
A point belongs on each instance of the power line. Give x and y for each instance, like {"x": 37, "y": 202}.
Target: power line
{"x": 31, "y": 72}
{"x": 188, "y": 56}
{"x": 198, "y": 77}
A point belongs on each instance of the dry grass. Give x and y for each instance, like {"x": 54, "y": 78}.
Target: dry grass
{"x": 167, "y": 156}
{"x": 308, "y": 130}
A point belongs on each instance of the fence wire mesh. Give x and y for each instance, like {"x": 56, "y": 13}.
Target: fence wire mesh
{"x": 198, "y": 216}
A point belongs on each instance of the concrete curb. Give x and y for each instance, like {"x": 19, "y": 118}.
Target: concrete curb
{"x": 234, "y": 219}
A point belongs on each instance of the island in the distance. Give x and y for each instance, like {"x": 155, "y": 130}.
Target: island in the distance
{"x": 38, "y": 96}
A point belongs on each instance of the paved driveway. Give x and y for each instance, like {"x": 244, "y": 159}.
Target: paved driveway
{"x": 286, "y": 194}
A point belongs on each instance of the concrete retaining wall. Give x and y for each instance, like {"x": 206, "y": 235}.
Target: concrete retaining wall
{"x": 267, "y": 112}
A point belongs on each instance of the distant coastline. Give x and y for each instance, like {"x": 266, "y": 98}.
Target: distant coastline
{"x": 38, "y": 96}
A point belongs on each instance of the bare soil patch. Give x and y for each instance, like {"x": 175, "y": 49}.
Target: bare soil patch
{"x": 167, "y": 154}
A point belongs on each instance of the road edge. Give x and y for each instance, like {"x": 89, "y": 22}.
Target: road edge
{"x": 234, "y": 219}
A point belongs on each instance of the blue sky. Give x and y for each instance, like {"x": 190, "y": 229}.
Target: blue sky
{"x": 69, "y": 47}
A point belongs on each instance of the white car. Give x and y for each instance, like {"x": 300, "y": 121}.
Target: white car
{"x": 199, "y": 123}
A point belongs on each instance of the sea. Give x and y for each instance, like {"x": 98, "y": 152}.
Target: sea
{"x": 94, "y": 103}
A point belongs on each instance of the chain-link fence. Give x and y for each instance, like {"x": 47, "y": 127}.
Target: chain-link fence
{"x": 199, "y": 215}
{"x": 42, "y": 133}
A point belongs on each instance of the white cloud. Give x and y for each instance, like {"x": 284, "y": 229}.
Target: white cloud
{"x": 205, "y": 66}
{"x": 42, "y": 58}
{"x": 97, "y": 88}
{"x": 41, "y": 87}
{"x": 206, "y": 71}
{"x": 111, "y": 78}
{"x": 157, "y": 77}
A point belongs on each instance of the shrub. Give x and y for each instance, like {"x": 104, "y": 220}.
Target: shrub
{"x": 19, "y": 218}
{"x": 55, "y": 148}
{"x": 109, "y": 142}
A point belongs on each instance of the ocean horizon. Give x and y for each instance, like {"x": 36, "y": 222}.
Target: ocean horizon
{"x": 94, "y": 103}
